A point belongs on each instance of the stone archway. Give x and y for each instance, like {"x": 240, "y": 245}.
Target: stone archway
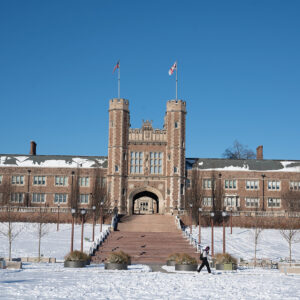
{"x": 145, "y": 203}
{"x": 143, "y": 196}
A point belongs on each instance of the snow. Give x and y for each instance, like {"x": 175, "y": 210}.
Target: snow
{"x": 72, "y": 162}
{"x": 53, "y": 281}
{"x": 54, "y": 243}
{"x": 240, "y": 243}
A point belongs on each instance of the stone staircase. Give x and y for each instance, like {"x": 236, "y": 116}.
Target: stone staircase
{"x": 148, "y": 239}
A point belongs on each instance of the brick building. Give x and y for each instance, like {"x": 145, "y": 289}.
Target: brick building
{"x": 146, "y": 171}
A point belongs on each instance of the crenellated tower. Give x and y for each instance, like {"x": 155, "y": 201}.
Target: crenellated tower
{"x": 119, "y": 122}
{"x": 175, "y": 161}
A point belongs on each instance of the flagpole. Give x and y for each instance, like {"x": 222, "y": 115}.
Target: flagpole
{"x": 119, "y": 80}
{"x": 176, "y": 80}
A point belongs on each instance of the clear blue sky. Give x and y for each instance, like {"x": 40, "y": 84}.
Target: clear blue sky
{"x": 238, "y": 70}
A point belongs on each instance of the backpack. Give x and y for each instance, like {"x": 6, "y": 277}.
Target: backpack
{"x": 201, "y": 256}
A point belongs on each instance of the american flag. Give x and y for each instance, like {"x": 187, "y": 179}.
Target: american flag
{"x": 117, "y": 66}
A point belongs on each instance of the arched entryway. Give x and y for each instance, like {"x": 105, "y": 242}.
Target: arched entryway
{"x": 145, "y": 200}
{"x": 145, "y": 203}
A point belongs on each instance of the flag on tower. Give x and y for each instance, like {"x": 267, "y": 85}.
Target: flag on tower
{"x": 171, "y": 71}
{"x": 117, "y": 66}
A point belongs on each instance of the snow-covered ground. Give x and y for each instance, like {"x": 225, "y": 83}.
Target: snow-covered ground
{"x": 241, "y": 243}
{"x": 53, "y": 281}
{"x": 54, "y": 243}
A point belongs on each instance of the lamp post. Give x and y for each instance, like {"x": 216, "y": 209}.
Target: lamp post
{"x": 212, "y": 214}
{"x": 101, "y": 215}
{"x": 73, "y": 211}
{"x": 199, "y": 216}
{"x": 82, "y": 212}
{"x": 191, "y": 218}
{"x": 231, "y": 220}
{"x": 224, "y": 214}
{"x": 263, "y": 191}
{"x": 57, "y": 228}
{"x": 94, "y": 209}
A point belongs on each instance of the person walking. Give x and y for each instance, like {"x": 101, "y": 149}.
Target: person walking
{"x": 203, "y": 257}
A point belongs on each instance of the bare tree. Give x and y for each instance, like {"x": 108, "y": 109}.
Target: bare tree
{"x": 42, "y": 228}
{"x": 238, "y": 151}
{"x": 292, "y": 236}
{"x": 194, "y": 193}
{"x": 8, "y": 228}
{"x": 291, "y": 232}
{"x": 256, "y": 231}
{"x": 99, "y": 194}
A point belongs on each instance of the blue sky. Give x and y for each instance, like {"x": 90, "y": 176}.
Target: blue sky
{"x": 238, "y": 70}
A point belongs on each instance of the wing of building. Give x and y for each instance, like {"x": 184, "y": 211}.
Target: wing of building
{"x": 146, "y": 171}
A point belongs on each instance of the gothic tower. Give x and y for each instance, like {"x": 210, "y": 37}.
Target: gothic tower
{"x": 175, "y": 164}
{"x": 119, "y": 122}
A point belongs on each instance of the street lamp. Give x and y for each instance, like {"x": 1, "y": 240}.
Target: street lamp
{"x": 73, "y": 211}
{"x": 82, "y": 212}
{"x": 263, "y": 191}
{"x": 191, "y": 220}
{"x": 58, "y": 205}
{"x": 94, "y": 209}
{"x": 199, "y": 215}
{"x": 212, "y": 214}
{"x": 224, "y": 215}
{"x": 230, "y": 220}
{"x": 101, "y": 215}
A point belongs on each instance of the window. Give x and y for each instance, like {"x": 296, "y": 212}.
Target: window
{"x": 116, "y": 168}
{"x": 252, "y": 202}
{"x": 17, "y": 197}
{"x": 188, "y": 183}
{"x": 39, "y": 180}
{"x": 17, "y": 179}
{"x": 231, "y": 201}
{"x": 175, "y": 169}
{"x": 84, "y": 198}
{"x": 207, "y": 201}
{"x": 84, "y": 181}
{"x": 230, "y": 184}
{"x": 207, "y": 184}
{"x": 181, "y": 189}
{"x": 38, "y": 198}
{"x": 61, "y": 180}
{"x": 123, "y": 192}
{"x": 274, "y": 185}
{"x": 274, "y": 202}
{"x": 156, "y": 159}
{"x": 1, "y": 179}
{"x": 60, "y": 198}
{"x": 294, "y": 185}
{"x": 252, "y": 184}
{"x": 176, "y": 124}
{"x": 136, "y": 162}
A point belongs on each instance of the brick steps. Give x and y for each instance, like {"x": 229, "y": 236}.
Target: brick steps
{"x": 147, "y": 239}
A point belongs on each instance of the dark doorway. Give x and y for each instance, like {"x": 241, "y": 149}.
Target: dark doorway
{"x": 145, "y": 203}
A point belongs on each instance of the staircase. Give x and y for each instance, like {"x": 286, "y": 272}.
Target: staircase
{"x": 147, "y": 239}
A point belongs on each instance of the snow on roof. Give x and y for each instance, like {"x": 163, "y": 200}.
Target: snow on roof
{"x": 244, "y": 165}
{"x": 52, "y": 161}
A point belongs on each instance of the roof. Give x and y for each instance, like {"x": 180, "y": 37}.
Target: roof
{"x": 223, "y": 164}
{"x": 52, "y": 161}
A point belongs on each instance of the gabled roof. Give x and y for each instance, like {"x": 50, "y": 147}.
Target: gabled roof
{"x": 52, "y": 161}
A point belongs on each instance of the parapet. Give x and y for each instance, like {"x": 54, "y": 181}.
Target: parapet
{"x": 119, "y": 103}
{"x": 176, "y": 105}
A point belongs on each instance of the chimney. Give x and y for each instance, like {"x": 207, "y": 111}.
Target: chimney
{"x": 259, "y": 152}
{"x": 32, "y": 148}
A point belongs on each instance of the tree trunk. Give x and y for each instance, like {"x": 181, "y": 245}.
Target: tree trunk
{"x": 290, "y": 246}
{"x": 40, "y": 237}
